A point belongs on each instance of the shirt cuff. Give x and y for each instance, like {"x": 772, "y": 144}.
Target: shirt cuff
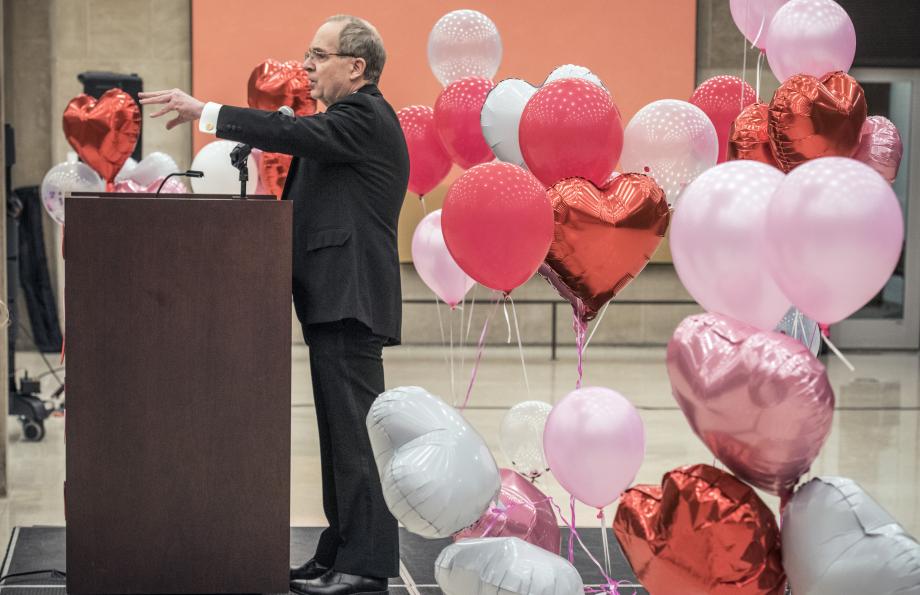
{"x": 208, "y": 121}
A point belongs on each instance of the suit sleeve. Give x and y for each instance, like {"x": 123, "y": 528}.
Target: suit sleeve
{"x": 340, "y": 135}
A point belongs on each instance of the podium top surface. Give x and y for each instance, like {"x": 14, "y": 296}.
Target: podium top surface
{"x": 172, "y": 196}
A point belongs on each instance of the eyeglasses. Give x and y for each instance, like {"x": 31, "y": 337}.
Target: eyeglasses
{"x": 318, "y": 55}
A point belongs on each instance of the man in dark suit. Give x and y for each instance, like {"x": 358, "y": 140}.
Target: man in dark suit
{"x": 347, "y": 180}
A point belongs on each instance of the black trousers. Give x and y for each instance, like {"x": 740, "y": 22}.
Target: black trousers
{"x": 347, "y": 368}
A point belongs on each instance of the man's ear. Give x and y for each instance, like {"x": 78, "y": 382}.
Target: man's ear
{"x": 357, "y": 69}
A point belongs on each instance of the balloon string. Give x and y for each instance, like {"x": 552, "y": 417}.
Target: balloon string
{"x": 453, "y": 388}
{"x": 837, "y": 352}
{"x": 479, "y": 350}
{"x": 606, "y": 545}
{"x": 759, "y": 69}
{"x": 421, "y": 200}
{"x": 437, "y": 305}
{"x": 611, "y": 586}
{"x": 507, "y": 320}
{"x": 581, "y": 329}
{"x": 517, "y": 330}
{"x": 743, "y": 58}
{"x": 597, "y": 323}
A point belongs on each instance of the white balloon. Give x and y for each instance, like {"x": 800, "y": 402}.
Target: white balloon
{"x": 464, "y": 43}
{"x": 156, "y": 166}
{"x": 64, "y": 178}
{"x": 501, "y": 118}
{"x": 220, "y": 177}
{"x": 838, "y": 540}
{"x": 437, "y": 473}
{"x": 573, "y": 71}
{"x": 125, "y": 172}
{"x": 521, "y": 437}
{"x": 672, "y": 141}
{"x": 504, "y": 566}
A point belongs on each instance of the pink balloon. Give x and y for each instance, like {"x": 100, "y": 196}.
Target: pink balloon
{"x": 753, "y": 18}
{"x": 718, "y": 242}
{"x": 834, "y": 235}
{"x": 498, "y": 224}
{"x": 594, "y": 442}
{"x": 722, "y": 98}
{"x": 880, "y": 146}
{"x": 429, "y": 162}
{"x": 810, "y": 37}
{"x": 456, "y": 116}
{"x": 759, "y": 400}
{"x": 525, "y": 512}
{"x": 434, "y": 263}
{"x": 571, "y": 128}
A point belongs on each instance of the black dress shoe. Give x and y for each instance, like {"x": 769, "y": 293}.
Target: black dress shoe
{"x": 339, "y": 583}
{"x": 308, "y": 570}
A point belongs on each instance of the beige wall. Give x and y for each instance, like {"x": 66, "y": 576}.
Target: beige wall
{"x": 49, "y": 42}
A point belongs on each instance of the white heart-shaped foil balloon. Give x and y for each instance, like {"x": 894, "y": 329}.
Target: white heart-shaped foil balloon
{"x": 504, "y": 566}
{"x": 437, "y": 473}
{"x": 837, "y": 540}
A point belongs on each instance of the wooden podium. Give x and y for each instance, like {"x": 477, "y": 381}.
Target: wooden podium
{"x": 178, "y": 338}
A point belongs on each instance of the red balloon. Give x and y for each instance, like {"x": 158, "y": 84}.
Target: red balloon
{"x": 103, "y": 132}
{"x": 456, "y": 116}
{"x": 722, "y": 98}
{"x": 749, "y": 137}
{"x": 273, "y": 172}
{"x": 571, "y": 128}
{"x": 811, "y": 118}
{"x": 273, "y": 84}
{"x": 701, "y": 531}
{"x": 498, "y": 224}
{"x": 429, "y": 162}
{"x": 603, "y": 238}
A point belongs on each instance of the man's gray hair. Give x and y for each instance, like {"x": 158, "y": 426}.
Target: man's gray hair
{"x": 359, "y": 38}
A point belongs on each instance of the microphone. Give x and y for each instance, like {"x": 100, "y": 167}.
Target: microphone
{"x": 191, "y": 173}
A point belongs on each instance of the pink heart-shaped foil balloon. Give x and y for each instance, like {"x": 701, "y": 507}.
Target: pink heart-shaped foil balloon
{"x": 759, "y": 400}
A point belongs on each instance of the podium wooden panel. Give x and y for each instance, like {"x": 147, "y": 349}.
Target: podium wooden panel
{"x": 178, "y": 337}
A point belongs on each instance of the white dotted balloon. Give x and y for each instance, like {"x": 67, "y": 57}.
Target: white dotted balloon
{"x": 64, "y": 178}
{"x": 464, "y": 43}
{"x": 672, "y": 141}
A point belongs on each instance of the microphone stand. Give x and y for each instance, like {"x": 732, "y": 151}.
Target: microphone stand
{"x": 239, "y": 159}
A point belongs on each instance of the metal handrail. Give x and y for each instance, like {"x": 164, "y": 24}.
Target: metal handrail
{"x": 553, "y": 303}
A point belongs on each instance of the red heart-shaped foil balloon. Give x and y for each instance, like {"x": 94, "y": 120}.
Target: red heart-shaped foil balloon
{"x": 702, "y": 532}
{"x": 273, "y": 84}
{"x": 103, "y": 132}
{"x": 811, "y": 118}
{"x": 759, "y": 400}
{"x": 749, "y": 137}
{"x": 273, "y": 172}
{"x": 602, "y": 239}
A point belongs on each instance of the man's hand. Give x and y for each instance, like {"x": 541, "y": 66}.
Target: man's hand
{"x": 187, "y": 108}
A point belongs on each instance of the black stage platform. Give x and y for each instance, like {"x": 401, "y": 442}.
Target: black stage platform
{"x": 42, "y": 548}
